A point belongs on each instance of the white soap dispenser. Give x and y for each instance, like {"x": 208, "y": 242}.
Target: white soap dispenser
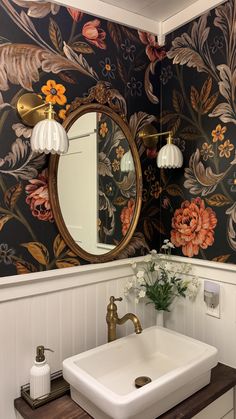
{"x": 40, "y": 383}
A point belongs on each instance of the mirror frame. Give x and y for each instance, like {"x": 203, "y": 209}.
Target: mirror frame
{"x": 101, "y": 93}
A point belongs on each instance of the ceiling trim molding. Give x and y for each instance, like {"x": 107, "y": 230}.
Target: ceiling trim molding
{"x": 189, "y": 13}
{"x": 114, "y": 14}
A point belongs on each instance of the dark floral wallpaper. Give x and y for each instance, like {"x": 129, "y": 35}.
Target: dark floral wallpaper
{"x": 188, "y": 87}
{"x": 60, "y": 53}
{"x": 198, "y": 80}
{"x": 116, "y": 187}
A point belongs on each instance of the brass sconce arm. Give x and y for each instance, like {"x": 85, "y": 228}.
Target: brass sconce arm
{"x": 150, "y": 138}
{"x": 169, "y": 156}
{"x": 32, "y": 109}
{"x": 48, "y": 135}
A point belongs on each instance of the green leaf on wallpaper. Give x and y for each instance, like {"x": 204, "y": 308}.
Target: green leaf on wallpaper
{"x": 24, "y": 267}
{"x": 58, "y": 245}
{"x": 12, "y": 195}
{"x": 55, "y": 35}
{"x": 4, "y": 219}
{"x": 174, "y": 190}
{"x": 67, "y": 263}
{"x": 82, "y": 47}
{"x": 218, "y": 200}
{"x": 38, "y": 251}
{"x": 221, "y": 258}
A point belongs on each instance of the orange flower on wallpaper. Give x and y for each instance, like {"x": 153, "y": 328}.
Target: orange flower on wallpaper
{"x": 103, "y": 129}
{"x": 120, "y": 152}
{"x": 94, "y": 34}
{"x": 62, "y": 112}
{"x": 115, "y": 165}
{"x": 38, "y": 198}
{"x": 193, "y": 227}
{"x": 218, "y": 133}
{"x": 127, "y": 215}
{"x": 225, "y": 149}
{"x": 54, "y": 92}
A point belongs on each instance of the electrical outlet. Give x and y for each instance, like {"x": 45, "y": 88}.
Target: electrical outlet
{"x": 212, "y": 298}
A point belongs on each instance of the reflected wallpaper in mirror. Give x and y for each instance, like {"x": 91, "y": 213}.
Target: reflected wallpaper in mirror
{"x": 100, "y": 220}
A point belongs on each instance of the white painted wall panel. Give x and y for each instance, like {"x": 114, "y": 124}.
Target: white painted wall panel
{"x": 65, "y": 310}
{"x": 68, "y": 321}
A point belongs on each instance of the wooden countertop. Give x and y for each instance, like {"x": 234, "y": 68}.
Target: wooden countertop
{"x": 223, "y": 378}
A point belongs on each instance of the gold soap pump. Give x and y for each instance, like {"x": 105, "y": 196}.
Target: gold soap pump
{"x": 40, "y": 377}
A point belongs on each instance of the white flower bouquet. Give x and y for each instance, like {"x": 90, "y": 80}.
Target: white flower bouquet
{"x": 160, "y": 280}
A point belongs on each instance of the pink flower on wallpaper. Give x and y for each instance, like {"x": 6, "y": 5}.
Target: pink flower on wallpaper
{"x": 153, "y": 50}
{"x": 94, "y": 34}
{"x": 127, "y": 215}
{"x": 75, "y": 14}
{"x": 193, "y": 227}
{"x": 38, "y": 198}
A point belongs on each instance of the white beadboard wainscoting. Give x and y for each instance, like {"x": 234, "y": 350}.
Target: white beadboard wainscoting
{"x": 65, "y": 310}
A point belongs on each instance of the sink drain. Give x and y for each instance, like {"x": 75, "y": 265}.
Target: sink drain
{"x": 142, "y": 381}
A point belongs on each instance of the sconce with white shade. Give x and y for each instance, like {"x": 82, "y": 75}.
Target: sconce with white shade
{"x": 127, "y": 162}
{"x": 48, "y": 135}
{"x": 169, "y": 156}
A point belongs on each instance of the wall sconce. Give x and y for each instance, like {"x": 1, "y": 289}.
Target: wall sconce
{"x": 48, "y": 135}
{"x": 169, "y": 156}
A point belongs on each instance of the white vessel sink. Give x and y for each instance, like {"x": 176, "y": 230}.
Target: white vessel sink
{"x": 102, "y": 379}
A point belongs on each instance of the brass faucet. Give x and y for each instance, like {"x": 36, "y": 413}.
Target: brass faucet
{"x": 113, "y": 319}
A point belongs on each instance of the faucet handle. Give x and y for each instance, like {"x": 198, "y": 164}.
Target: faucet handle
{"x": 112, "y": 299}
{"x": 112, "y": 307}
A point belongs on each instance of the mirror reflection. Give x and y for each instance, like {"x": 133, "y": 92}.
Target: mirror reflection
{"x": 96, "y": 183}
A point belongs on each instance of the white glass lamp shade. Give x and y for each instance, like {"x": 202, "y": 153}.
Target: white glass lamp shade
{"x": 127, "y": 162}
{"x": 170, "y": 157}
{"x": 48, "y": 136}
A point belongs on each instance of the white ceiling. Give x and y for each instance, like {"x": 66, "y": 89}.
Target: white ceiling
{"x": 156, "y": 16}
{"x": 158, "y": 10}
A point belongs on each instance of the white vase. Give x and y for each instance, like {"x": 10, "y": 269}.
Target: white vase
{"x": 160, "y": 318}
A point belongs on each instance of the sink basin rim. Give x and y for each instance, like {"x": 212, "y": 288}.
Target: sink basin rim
{"x": 85, "y": 383}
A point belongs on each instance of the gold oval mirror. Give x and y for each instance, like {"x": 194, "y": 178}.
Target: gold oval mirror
{"x": 95, "y": 189}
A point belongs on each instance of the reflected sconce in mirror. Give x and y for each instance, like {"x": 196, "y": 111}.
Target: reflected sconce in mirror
{"x": 127, "y": 162}
{"x": 169, "y": 156}
{"x": 48, "y": 135}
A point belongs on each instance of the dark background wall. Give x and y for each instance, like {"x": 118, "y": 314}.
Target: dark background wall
{"x": 58, "y": 51}
{"x": 198, "y": 104}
